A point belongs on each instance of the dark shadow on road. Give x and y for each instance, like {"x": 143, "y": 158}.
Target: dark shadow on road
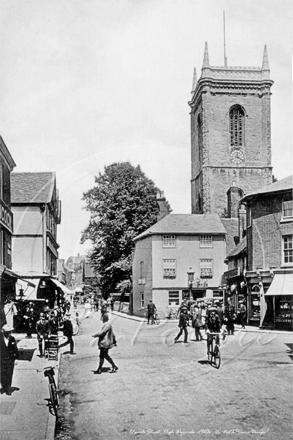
{"x": 203, "y": 362}
{"x": 290, "y": 351}
{"x": 12, "y": 389}
{"x": 104, "y": 370}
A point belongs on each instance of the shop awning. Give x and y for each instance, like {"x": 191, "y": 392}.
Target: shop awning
{"x": 282, "y": 284}
{"x": 62, "y": 287}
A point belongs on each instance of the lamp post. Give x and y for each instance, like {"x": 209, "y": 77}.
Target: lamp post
{"x": 190, "y": 274}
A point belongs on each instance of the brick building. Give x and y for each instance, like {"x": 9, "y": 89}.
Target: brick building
{"x": 269, "y": 274}
{"x": 230, "y": 134}
{"x": 7, "y": 277}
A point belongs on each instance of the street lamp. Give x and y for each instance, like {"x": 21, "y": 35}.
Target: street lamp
{"x": 190, "y": 274}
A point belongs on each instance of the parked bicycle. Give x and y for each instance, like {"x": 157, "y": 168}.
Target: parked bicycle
{"x": 53, "y": 392}
{"x": 155, "y": 318}
{"x": 214, "y": 354}
{"x": 173, "y": 314}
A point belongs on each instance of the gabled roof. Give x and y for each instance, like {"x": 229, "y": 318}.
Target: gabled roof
{"x": 192, "y": 224}
{"x": 231, "y": 227}
{"x": 6, "y": 154}
{"x": 281, "y": 185}
{"x": 32, "y": 187}
{"x": 241, "y": 246}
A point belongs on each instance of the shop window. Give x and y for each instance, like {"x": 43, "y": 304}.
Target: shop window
{"x": 288, "y": 209}
{"x": 1, "y": 183}
{"x": 206, "y": 268}
{"x": 206, "y": 241}
{"x": 169, "y": 241}
{"x": 169, "y": 269}
{"x": 288, "y": 249}
{"x": 1, "y": 247}
{"x": 173, "y": 297}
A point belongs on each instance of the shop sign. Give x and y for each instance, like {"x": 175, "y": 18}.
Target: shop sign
{"x": 5, "y": 216}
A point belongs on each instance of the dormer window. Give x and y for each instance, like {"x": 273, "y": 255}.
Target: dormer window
{"x": 206, "y": 241}
{"x": 168, "y": 241}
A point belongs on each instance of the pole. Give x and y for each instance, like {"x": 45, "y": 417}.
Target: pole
{"x": 225, "y": 57}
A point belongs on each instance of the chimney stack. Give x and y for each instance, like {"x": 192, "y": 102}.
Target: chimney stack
{"x": 163, "y": 207}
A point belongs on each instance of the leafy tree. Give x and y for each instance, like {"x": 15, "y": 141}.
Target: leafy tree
{"x": 122, "y": 205}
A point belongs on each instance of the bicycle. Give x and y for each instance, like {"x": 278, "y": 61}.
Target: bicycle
{"x": 155, "y": 319}
{"x": 214, "y": 354}
{"x": 173, "y": 314}
{"x": 54, "y": 399}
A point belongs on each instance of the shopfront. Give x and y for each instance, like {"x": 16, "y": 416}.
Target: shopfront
{"x": 279, "y": 299}
{"x": 35, "y": 295}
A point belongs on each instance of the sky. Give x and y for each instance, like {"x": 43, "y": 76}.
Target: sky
{"x": 85, "y": 83}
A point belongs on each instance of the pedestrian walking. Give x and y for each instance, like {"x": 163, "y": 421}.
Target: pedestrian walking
{"x": 68, "y": 333}
{"x": 53, "y": 323}
{"x": 242, "y": 314}
{"x": 197, "y": 323}
{"x": 42, "y": 329}
{"x": 151, "y": 308}
{"x": 183, "y": 319}
{"x": 107, "y": 340}
{"x": 8, "y": 358}
{"x": 104, "y": 309}
{"x": 88, "y": 309}
{"x": 230, "y": 317}
{"x": 112, "y": 303}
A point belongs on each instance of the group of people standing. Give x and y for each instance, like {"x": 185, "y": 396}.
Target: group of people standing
{"x": 213, "y": 319}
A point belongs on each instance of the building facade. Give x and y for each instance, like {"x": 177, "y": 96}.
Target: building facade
{"x": 7, "y": 278}
{"x": 230, "y": 134}
{"x": 37, "y": 212}
{"x": 269, "y": 274}
{"x": 178, "y": 245}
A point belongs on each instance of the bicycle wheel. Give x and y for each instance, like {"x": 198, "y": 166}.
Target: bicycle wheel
{"x": 157, "y": 321}
{"x": 217, "y": 357}
{"x": 54, "y": 398}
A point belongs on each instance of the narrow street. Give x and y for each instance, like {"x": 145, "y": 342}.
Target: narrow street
{"x": 167, "y": 390}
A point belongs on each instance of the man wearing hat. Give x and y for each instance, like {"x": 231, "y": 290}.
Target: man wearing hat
{"x": 68, "y": 332}
{"x": 9, "y": 354}
{"x": 42, "y": 329}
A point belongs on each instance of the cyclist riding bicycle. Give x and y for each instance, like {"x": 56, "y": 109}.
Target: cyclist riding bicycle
{"x": 212, "y": 325}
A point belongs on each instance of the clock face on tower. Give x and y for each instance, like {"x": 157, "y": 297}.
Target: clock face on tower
{"x": 237, "y": 156}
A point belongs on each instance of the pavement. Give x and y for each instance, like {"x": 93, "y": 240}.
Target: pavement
{"x": 25, "y": 414}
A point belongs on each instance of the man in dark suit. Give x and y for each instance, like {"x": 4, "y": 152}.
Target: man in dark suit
{"x": 68, "y": 332}
{"x": 183, "y": 321}
{"x": 42, "y": 329}
{"x": 151, "y": 311}
{"x": 9, "y": 354}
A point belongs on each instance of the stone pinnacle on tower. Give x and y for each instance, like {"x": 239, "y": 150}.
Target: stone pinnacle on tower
{"x": 194, "y": 82}
{"x": 265, "y": 60}
{"x": 206, "y": 62}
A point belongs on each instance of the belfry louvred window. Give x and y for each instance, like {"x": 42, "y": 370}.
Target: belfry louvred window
{"x": 236, "y": 126}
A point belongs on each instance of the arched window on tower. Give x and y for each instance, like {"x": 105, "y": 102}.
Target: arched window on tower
{"x": 199, "y": 131}
{"x": 236, "y": 115}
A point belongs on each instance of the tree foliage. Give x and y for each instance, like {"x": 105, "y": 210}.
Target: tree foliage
{"x": 122, "y": 205}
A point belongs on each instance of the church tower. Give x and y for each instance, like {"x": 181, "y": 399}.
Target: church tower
{"x": 230, "y": 134}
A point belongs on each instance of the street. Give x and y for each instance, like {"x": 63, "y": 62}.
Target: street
{"x": 167, "y": 390}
